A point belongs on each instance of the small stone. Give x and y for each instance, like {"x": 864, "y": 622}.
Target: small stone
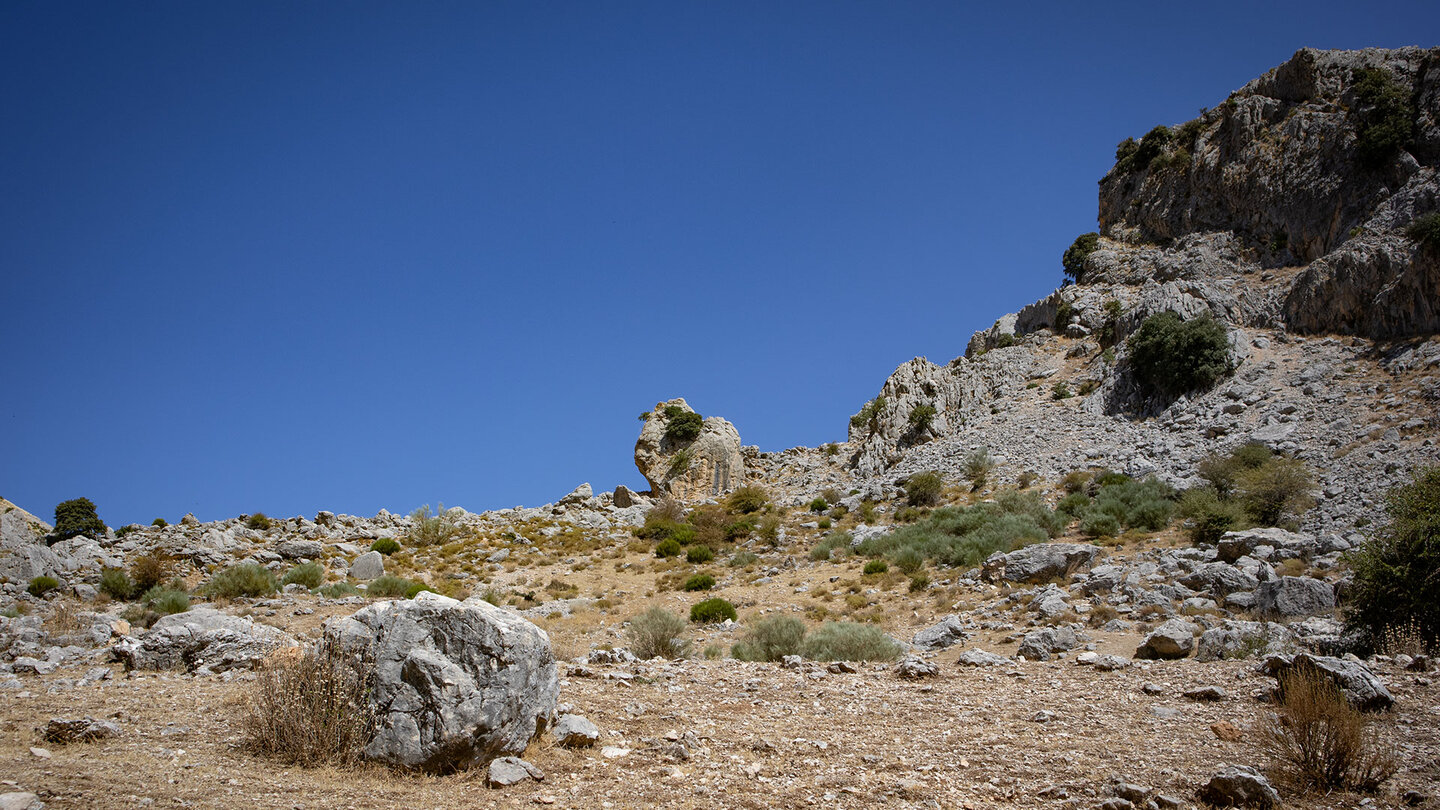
{"x": 614, "y": 752}
{"x": 915, "y": 668}
{"x": 574, "y": 731}
{"x": 1207, "y": 694}
{"x": 1239, "y": 786}
{"x": 1227, "y": 731}
{"x": 17, "y": 800}
{"x": 42, "y": 753}
{"x": 507, "y": 771}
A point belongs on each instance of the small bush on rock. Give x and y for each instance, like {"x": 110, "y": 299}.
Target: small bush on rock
{"x": 682, "y": 425}
{"x": 1172, "y": 356}
{"x": 922, "y": 416}
{"x": 432, "y": 528}
{"x": 385, "y": 545}
{"x": 310, "y": 574}
{"x": 310, "y": 709}
{"x": 712, "y": 611}
{"x": 1074, "y": 263}
{"x": 848, "y": 641}
{"x": 166, "y": 601}
{"x": 245, "y": 579}
{"x": 747, "y": 499}
{"x": 924, "y": 488}
{"x": 1425, "y": 230}
{"x": 770, "y": 639}
{"x": 117, "y": 583}
{"x": 149, "y": 570}
{"x": 41, "y": 585}
{"x": 258, "y": 521}
{"x": 159, "y": 523}
{"x": 394, "y": 587}
{"x": 1387, "y": 116}
{"x": 658, "y": 633}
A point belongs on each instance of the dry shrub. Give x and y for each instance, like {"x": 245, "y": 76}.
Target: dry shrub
{"x": 1320, "y": 742}
{"x": 149, "y": 570}
{"x": 1405, "y": 638}
{"x": 64, "y": 618}
{"x": 658, "y": 633}
{"x": 311, "y": 707}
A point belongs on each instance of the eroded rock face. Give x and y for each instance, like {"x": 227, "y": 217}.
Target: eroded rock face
{"x": 707, "y": 466}
{"x": 457, "y": 683}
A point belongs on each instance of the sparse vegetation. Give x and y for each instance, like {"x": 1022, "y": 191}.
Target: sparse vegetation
{"x": 1060, "y": 390}
{"x": 848, "y": 641}
{"x": 965, "y": 536}
{"x": 310, "y": 709}
{"x": 869, "y": 416}
{"x": 385, "y": 545}
{"x": 1172, "y": 357}
{"x": 834, "y": 546}
{"x": 1121, "y": 502}
{"x": 699, "y": 582}
{"x": 1396, "y": 582}
{"x": 258, "y": 521}
{"x": 310, "y": 574}
{"x": 922, "y": 416}
{"x": 1320, "y": 742}
{"x": 244, "y": 579}
{"x": 658, "y": 633}
{"x": 432, "y": 528}
{"x": 117, "y": 583}
{"x": 74, "y": 518}
{"x": 149, "y": 570}
{"x": 681, "y": 425}
{"x": 1425, "y": 230}
{"x": 41, "y": 585}
{"x": 166, "y": 600}
{"x": 712, "y": 611}
{"x": 336, "y": 590}
{"x": 1074, "y": 263}
{"x": 393, "y": 587}
{"x": 747, "y": 499}
{"x": 924, "y": 488}
{"x": 770, "y": 639}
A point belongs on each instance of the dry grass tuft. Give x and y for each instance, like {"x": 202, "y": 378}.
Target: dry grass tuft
{"x": 310, "y": 708}
{"x": 1319, "y": 742}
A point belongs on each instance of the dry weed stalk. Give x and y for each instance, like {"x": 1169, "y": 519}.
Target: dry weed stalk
{"x": 311, "y": 707}
{"x": 1320, "y": 742}
{"x": 1403, "y": 639}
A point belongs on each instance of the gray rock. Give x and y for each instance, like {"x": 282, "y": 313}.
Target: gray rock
{"x": 1239, "y": 786}
{"x": 980, "y": 658}
{"x": 507, "y": 771}
{"x": 1173, "y": 639}
{"x": 20, "y": 800}
{"x": 574, "y": 731}
{"x": 1110, "y": 663}
{"x": 1295, "y": 596}
{"x": 368, "y": 566}
{"x": 1040, "y": 563}
{"x": 456, "y": 683}
{"x": 1208, "y": 694}
{"x": 88, "y": 729}
{"x": 1041, "y": 644}
{"x": 1219, "y": 579}
{"x": 914, "y": 668}
{"x": 1362, "y": 688}
{"x": 713, "y": 464}
{"x": 201, "y": 639}
{"x": 947, "y": 632}
{"x": 1234, "y": 545}
{"x": 27, "y": 665}
{"x": 1237, "y": 639}
{"x": 298, "y": 549}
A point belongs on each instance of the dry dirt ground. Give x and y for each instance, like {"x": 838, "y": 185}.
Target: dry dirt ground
{"x": 724, "y": 733}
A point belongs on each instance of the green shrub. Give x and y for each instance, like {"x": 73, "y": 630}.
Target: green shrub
{"x": 827, "y": 549}
{"x": 669, "y": 547}
{"x": 1152, "y": 146}
{"x": 876, "y": 567}
{"x": 76, "y": 517}
{"x": 908, "y": 560}
{"x": 965, "y": 536}
{"x": 699, "y": 582}
{"x": 1060, "y": 391}
{"x": 742, "y": 528}
{"x": 712, "y": 611}
{"x": 921, "y": 416}
{"x": 244, "y": 579}
{"x": 1278, "y": 488}
{"x": 1147, "y": 504}
{"x": 977, "y": 466}
{"x": 1426, "y": 231}
{"x": 385, "y": 545}
{"x": 1221, "y": 471}
{"x": 258, "y": 521}
{"x": 679, "y": 463}
{"x": 848, "y": 641}
{"x": 831, "y": 448}
{"x": 770, "y": 639}
{"x": 1075, "y": 504}
{"x": 1100, "y": 524}
{"x": 1074, "y": 263}
{"x": 432, "y": 528}
{"x": 1110, "y": 328}
{"x": 166, "y": 601}
{"x": 1210, "y": 521}
{"x": 742, "y": 559}
{"x": 1125, "y": 156}
{"x": 658, "y": 633}
{"x": 336, "y": 590}
{"x": 682, "y": 425}
{"x": 1172, "y": 356}
{"x": 747, "y": 499}
{"x": 699, "y": 554}
{"x": 390, "y": 586}
{"x": 124, "y": 530}
{"x": 1064, "y": 314}
{"x": 919, "y": 582}
{"x": 1395, "y": 570}
{"x": 117, "y": 583}
{"x": 924, "y": 488}
{"x": 1386, "y": 116}
{"x": 769, "y": 529}
{"x": 869, "y": 415}
{"x": 41, "y": 585}
{"x": 819, "y": 505}
{"x": 310, "y": 574}
{"x": 159, "y": 523}
{"x": 149, "y": 570}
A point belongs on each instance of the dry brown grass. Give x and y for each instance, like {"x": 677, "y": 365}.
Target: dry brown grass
{"x": 1319, "y": 742}
{"x": 1403, "y": 639}
{"x": 310, "y": 708}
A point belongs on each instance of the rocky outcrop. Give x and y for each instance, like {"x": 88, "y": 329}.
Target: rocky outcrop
{"x": 201, "y": 639}
{"x": 1362, "y": 688}
{"x": 457, "y": 684}
{"x": 1041, "y": 562}
{"x": 690, "y": 469}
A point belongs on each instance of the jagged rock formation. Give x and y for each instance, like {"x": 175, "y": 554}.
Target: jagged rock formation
{"x": 706, "y": 465}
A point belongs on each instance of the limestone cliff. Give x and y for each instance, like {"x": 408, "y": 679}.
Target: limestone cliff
{"x": 690, "y": 468}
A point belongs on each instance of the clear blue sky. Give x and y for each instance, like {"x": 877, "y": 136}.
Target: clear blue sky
{"x": 291, "y": 256}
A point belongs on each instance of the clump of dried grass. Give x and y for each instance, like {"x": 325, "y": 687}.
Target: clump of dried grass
{"x": 311, "y": 707}
{"x": 1319, "y": 742}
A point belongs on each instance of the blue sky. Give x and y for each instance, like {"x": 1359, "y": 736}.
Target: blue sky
{"x": 293, "y": 256}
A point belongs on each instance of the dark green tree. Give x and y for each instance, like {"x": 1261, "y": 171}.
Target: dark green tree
{"x": 76, "y": 517}
{"x": 1397, "y": 572}
{"x": 1173, "y": 356}
{"x": 1074, "y": 259}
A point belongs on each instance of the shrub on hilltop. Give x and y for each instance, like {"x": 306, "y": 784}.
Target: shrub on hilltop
{"x": 76, "y": 517}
